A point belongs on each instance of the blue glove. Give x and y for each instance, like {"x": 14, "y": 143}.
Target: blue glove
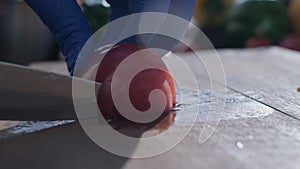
{"x": 180, "y": 8}
{"x": 68, "y": 24}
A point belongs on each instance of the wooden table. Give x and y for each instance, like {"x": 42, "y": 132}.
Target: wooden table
{"x": 260, "y": 127}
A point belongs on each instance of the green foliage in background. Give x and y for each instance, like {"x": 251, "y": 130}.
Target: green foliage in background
{"x": 214, "y": 12}
{"x": 96, "y": 15}
{"x": 256, "y": 18}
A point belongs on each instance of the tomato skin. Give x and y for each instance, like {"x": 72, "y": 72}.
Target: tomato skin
{"x": 258, "y": 42}
{"x": 291, "y": 41}
{"x": 140, "y": 86}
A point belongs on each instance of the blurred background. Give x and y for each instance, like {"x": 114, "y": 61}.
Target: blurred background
{"x": 227, "y": 23}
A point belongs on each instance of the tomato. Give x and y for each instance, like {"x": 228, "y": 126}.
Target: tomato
{"x": 291, "y": 41}
{"x": 140, "y": 86}
{"x": 258, "y": 42}
{"x": 182, "y": 48}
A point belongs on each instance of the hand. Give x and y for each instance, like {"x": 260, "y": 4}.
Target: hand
{"x": 179, "y": 8}
{"x": 67, "y": 23}
{"x": 71, "y": 30}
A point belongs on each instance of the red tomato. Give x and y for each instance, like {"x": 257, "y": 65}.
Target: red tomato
{"x": 182, "y": 48}
{"x": 258, "y": 42}
{"x": 140, "y": 86}
{"x": 291, "y": 41}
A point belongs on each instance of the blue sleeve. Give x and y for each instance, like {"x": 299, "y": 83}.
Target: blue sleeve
{"x": 68, "y": 24}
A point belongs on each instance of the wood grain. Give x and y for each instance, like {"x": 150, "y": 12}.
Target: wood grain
{"x": 259, "y": 127}
{"x": 268, "y": 75}
{"x": 267, "y": 141}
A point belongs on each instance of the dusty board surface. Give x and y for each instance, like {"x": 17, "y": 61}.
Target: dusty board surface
{"x": 269, "y": 140}
{"x": 8, "y": 124}
{"x": 270, "y": 75}
{"x": 251, "y": 135}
